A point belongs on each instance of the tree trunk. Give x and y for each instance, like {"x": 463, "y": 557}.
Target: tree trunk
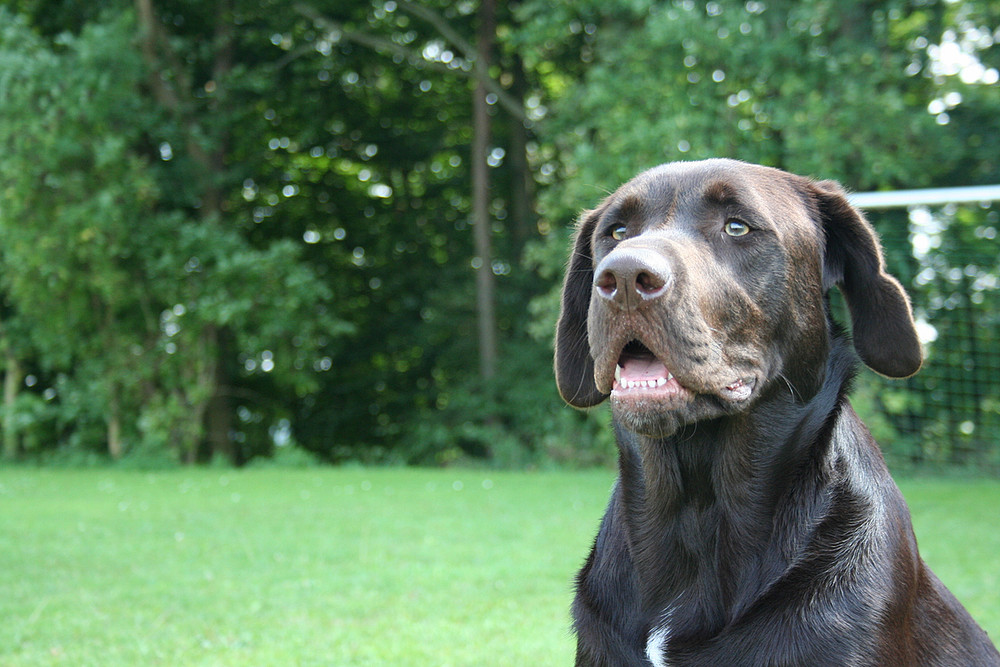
{"x": 482, "y": 224}
{"x": 13, "y": 375}
{"x": 219, "y": 411}
{"x": 202, "y": 387}
{"x": 216, "y": 410}
{"x": 522, "y": 185}
{"x": 219, "y": 415}
{"x": 115, "y": 449}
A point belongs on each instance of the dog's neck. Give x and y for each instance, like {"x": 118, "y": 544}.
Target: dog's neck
{"x": 703, "y": 509}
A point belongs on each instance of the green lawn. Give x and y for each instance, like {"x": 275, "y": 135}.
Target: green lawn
{"x": 344, "y": 566}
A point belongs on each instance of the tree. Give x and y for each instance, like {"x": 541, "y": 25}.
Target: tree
{"x": 854, "y": 91}
{"x": 71, "y": 193}
{"x": 144, "y": 310}
{"x": 245, "y": 218}
{"x": 481, "y": 220}
{"x": 407, "y": 98}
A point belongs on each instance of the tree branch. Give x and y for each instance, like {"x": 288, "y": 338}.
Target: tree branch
{"x": 442, "y": 26}
{"x": 152, "y": 40}
{"x": 479, "y": 72}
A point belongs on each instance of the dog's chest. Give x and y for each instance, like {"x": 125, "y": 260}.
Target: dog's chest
{"x": 656, "y": 645}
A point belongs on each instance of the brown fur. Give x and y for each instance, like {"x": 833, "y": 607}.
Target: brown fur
{"x": 754, "y": 522}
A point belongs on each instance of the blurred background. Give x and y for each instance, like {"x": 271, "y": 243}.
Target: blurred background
{"x": 333, "y": 231}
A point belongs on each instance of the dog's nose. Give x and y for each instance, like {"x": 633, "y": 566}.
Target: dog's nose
{"x": 630, "y": 277}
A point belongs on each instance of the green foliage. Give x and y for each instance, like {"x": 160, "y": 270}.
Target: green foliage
{"x": 132, "y": 306}
{"x": 944, "y": 413}
{"x": 831, "y": 90}
{"x": 287, "y": 456}
{"x": 72, "y": 191}
{"x": 527, "y": 424}
{"x": 237, "y": 217}
{"x": 749, "y": 81}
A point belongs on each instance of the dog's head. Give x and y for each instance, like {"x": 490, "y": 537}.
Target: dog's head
{"x": 696, "y": 287}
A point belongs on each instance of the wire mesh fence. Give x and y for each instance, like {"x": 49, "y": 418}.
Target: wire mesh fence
{"x": 948, "y": 415}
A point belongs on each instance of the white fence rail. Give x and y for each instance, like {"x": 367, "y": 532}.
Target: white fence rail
{"x": 926, "y": 197}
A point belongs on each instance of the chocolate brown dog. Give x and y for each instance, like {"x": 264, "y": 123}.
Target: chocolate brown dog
{"x": 753, "y": 521}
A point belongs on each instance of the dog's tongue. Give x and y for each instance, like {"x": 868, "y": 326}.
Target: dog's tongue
{"x": 643, "y": 368}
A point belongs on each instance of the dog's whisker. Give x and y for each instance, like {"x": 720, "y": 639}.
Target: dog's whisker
{"x": 791, "y": 389}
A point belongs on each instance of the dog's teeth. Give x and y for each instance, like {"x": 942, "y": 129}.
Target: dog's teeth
{"x": 640, "y": 384}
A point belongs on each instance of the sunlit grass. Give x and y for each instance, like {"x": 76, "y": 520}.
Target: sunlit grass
{"x": 344, "y": 566}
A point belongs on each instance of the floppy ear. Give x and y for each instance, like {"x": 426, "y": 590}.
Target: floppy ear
{"x": 574, "y": 366}
{"x": 881, "y": 320}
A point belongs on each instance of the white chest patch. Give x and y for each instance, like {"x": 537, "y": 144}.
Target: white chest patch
{"x": 656, "y": 644}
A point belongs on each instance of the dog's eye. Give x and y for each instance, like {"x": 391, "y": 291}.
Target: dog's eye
{"x": 618, "y": 232}
{"x": 737, "y": 228}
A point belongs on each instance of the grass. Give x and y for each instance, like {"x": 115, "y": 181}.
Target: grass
{"x": 345, "y": 567}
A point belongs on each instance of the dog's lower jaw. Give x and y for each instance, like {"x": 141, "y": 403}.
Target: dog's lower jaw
{"x": 657, "y": 416}
{"x": 647, "y": 423}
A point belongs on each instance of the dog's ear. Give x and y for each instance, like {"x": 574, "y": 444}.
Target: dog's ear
{"x": 574, "y": 366}
{"x": 881, "y": 320}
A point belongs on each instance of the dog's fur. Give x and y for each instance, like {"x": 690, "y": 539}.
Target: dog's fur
{"x": 753, "y": 521}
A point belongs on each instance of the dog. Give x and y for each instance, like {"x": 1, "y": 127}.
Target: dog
{"x": 753, "y": 521}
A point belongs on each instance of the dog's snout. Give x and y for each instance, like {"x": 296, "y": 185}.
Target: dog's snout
{"x": 629, "y": 277}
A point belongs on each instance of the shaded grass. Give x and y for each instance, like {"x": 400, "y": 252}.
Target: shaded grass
{"x": 345, "y": 566}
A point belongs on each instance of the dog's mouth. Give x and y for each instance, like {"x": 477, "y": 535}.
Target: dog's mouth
{"x": 640, "y": 375}
{"x": 639, "y": 371}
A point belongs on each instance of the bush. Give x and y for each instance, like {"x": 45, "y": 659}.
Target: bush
{"x": 518, "y": 420}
